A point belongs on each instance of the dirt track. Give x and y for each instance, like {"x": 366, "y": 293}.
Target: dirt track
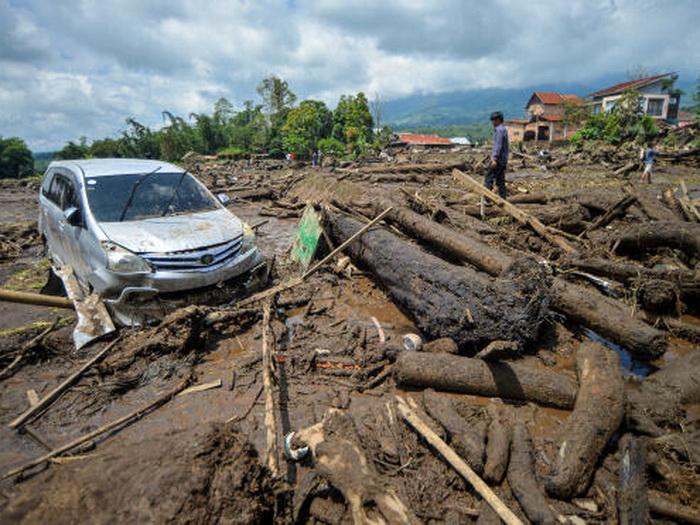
{"x": 194, "y": 459}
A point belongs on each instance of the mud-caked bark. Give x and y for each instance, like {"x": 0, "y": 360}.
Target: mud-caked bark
{"x": 632, "y": 503}
{"x": 447, "y": 300}
{"x": 492, "y": 379}
{"x": 684, "y": 236}
{"x": 659, "y": 399}
{"x": 467, "y": 439}
{"x": 596, "y": 417}
{"x": 522, "y": 480}
{"x": 605, "y": 317}
{"x": 498, "y": 440}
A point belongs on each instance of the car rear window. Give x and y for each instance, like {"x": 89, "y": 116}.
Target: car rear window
{"x": 139, "y": 196}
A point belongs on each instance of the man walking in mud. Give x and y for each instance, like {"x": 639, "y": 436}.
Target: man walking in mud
{"x": 499, "y": 156}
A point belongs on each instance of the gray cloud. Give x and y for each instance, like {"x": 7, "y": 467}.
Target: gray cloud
{"x": 80, "y": 67}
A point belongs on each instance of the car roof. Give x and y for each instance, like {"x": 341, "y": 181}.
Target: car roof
{"x": 106, "y": 167}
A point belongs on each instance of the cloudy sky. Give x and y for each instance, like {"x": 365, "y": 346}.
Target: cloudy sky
{"x": 72, "y": 68}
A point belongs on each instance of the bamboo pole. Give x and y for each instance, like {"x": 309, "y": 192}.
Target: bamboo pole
{"x": 106, "y": 428}
{"x": 518, "y": 214}
{"x": 457, "y": 463}
{"x": 298, "y": 280}
{"x": 56, "y": 392}
{"x": 36, "y": 299}
{"x": 272, "y": 445}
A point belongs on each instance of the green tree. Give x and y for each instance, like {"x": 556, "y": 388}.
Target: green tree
{"x": 74, "y": 151}
{"x": 278, "y": 100}
{"x": 176, "y": 139}
{"x": 306, "y": 124}
{"x": 138, "y": 141}
{"x": 16, "y": 159}
{"x": 245, "y": 128}
{"x": 696, "y": 98}
{"x": 352, "y": 121}
{"x": 104, "y": 148}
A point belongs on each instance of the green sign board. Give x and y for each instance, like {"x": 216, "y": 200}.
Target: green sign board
{"x": 306, "y": 238}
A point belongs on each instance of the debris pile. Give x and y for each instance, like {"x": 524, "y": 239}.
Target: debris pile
{"x": 463, "y": 359}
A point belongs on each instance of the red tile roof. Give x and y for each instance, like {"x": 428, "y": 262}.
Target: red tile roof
{"x": 618, "y": 88}
{"x": 424, "y": 140}
{"x": 553, "y": 98}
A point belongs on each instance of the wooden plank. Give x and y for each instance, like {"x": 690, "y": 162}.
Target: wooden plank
{"x": 56, "y": 392}
{"x": 516, "y": 213}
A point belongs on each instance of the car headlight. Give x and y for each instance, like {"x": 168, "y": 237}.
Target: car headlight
{"x": 248, "y": 238}
{"x": 121, "y": 260}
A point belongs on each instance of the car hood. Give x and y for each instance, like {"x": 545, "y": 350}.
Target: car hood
{"x": 175, "y": 233}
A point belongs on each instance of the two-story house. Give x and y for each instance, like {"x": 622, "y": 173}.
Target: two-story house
{"x": 656, "y": 102}
{"x": 545, "y": 119}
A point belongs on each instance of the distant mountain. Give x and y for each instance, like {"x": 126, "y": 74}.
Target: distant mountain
{"x": 475, "y": 106}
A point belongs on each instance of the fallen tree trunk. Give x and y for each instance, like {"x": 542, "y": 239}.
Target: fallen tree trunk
{"x": 606, "y": 318}
{"x": 568, "y": 217}
{"x": 663, "y": 506}
{"x": 496, "y": 379}
{"x": 482, "y": 256}
{"x": 514, "y": 212}
{"x": 659, "y": 399}
{"x": 498, "y": 441}
{"x": 466, "y": 439}
{"x": 627, "y": 272}
{"x": 447, "y": 300}
{"x": 653, "y": 208}
{"x": 522, "y": 481}
{"x": 682, "y": 236}
{"x": 596, "y": 417}
{"x": 616, "y": 210}
{"x": 410, "y": 168}
{"x": 632, "y": 503}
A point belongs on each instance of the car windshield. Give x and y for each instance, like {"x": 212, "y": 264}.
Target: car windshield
{"x": 143, "y": 195}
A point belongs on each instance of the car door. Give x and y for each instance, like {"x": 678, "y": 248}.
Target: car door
{"x": 63, "y": 238}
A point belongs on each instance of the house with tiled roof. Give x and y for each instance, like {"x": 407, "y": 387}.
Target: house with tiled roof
{"x": 545, "y": 118}
{"x": 656, "y": 102}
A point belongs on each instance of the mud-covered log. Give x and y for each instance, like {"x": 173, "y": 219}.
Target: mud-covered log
{"x": 447, "y": 300}
{"x": 522, "y": 481}
{"x": 616, "y": 210}
{"x": 660, "y": 398}
{"x": 482, "y": 256}
{"x": 466, "y": 439}
{"x": 597, "y": 415}
{"x": 664, "y": 506}
{"x": 684, "y": 236}
{"x": 608, "y": 319}
{"x": 474, "y": 376}
{"x": 568, "y": 217}
{"x": 498, "y": 440}
{"x": 632, "y": 503}
{"x": 653, "y": 207}
{"x": 627, "y": 272}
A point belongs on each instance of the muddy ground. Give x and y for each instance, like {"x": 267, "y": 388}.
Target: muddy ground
{"x": 202, "y": 456}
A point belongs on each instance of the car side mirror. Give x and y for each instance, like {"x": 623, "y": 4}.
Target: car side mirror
{"x": 73, "y": 216}
{"x": 223, "y": 198}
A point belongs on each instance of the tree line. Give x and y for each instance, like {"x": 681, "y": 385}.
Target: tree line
{"x": 276, "y": 126}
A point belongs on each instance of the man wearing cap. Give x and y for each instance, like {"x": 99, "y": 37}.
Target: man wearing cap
{"x": 499, "y": 156}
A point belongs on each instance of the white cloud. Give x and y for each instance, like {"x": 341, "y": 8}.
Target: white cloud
{"x": 81, "y": 67}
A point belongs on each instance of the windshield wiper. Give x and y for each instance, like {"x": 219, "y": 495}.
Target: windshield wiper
{"x": 172, "y": 197}
{"x": 133, "y": 192}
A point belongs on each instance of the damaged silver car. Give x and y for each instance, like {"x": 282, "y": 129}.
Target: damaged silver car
{"x": 140, "y": 233}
